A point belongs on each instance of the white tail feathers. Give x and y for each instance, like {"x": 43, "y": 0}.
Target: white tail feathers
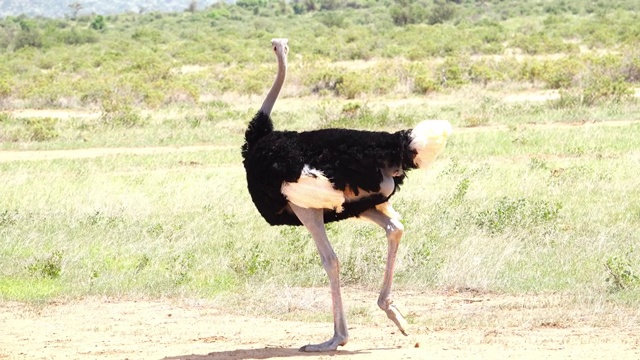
{"x": 428, "y": 139}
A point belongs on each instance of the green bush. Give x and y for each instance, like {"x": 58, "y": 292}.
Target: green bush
{"x": 376, "y": 81}
{"x": 5, "y": 88}
{"x": 422, "y": 77}
{"x": 41, "y": 129}
{"x": 98, "y": 23}
{"x": 27, "y": 129}
{"x": 5, "y": 118}
{"x": 404, "y": 13}
{"x": 75, "y": 36}
{"x": 604, "y": 88}
{"x": 531, "y": 71}
{"x": 47, "y": 267}
{"x": 567, "y": 99}
{"x": 358, "y": 115}
{"x": 323, "y": 81}
{"x": 441, "y": 12}
{"x": 424, "y": 83}
{"x": 353, "y": 84}
{"x": 542, "y": 43}
{"x": 622, "y": 273}
{"x": 219, "y": 12}
{"x": 117, "y": 109}
{"x": 454, "y": 72}
{"x": 561, "y": 73}
{"x": 28, "y": 38}
{"x": 483, "y": 72}
{"x": 631, "y": 66}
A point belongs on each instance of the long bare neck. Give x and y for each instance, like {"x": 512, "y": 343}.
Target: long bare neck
{"x": 270, "y": 100}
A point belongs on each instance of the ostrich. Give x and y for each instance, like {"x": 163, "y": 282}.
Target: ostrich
{"x": 315, "y": 177}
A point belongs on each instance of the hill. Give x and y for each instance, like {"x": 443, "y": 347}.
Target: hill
{"x": 71, "y": 8}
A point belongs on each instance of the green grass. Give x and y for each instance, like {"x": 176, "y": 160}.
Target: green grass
{"x": 532, "y": 209}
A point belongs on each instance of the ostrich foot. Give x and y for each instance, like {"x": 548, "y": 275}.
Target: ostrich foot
{"x": 330, "y": 345}
{"x": 395, "y": 315}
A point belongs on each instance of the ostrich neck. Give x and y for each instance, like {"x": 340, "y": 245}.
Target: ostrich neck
{"x": 270, "y": 100}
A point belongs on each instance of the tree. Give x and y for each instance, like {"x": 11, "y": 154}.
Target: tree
{"x": 76, "y": 7}
{"x": 442, "y": 12}
{"x": 193, "y": 6}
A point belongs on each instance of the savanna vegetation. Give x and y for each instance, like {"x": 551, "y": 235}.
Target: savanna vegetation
{"x": 522, "y": 201}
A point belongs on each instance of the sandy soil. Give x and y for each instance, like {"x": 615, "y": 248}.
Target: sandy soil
{"x": 196, "y": 329}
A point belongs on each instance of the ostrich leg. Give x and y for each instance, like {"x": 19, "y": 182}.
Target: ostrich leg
{"x": 313, "y": 220}
{"x": 394, "y": 230}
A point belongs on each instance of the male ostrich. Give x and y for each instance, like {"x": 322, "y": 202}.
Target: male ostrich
{"x": 314, "y": 177}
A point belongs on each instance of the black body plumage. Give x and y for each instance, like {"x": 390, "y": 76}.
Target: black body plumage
{"x": 350, "y": 159}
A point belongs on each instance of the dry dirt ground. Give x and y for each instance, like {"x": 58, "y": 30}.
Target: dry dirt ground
{"x": 99, "y": 328}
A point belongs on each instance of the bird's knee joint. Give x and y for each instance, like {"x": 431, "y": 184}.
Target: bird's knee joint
{"x": 395, "y": 229}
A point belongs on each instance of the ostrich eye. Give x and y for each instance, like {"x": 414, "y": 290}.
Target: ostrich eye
{"x": 274, "y": 48}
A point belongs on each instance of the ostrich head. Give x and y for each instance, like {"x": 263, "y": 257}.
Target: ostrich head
{"x": 281, "y": 48}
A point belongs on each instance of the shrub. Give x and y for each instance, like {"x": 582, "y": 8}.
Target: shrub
{"x": 180, "y": 267}
{"x": 117, "y": 110}
{"x": 453, "y": 72}
{"x": 405, "y": 14}
{"x": 5, "y": 118}
{"x": 27, "y": 129}
{"x": 483, "y": 72}
{"x": 604, "y": 88}
{"x": 251, "y": 4}
{"x": 5, "y": 88}
{"x": 48, "y": 267}
{"x": 148, "y": 34}
{"x": 560, "y": 74}
{"x": 353, "y": 84}
{"x": 98, "y": 23}
{"x": 78, "y": 37}
{"x": 542, "y": 43}
{"x": 41, "y": 129}
{"x": 461, "y": 191}
{"x": 443, "y": 11}
{"x": 219, "y": 12}
{"x": 28, "y": 38}
{"x": 622, "y": 274}
{"x": 422, "y": 78}
{"x": 531, "y": 71}
{"x": 358, "y": 115}
{"x": 594, "y": 90}
{"x": 324, "y": 81}
{"x": 630, "y": 67}
{"x": 424, "y": 83}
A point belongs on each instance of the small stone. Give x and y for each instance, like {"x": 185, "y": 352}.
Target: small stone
{"x": 417, "y": 345}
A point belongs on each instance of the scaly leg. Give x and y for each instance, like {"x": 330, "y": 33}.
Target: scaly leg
{"x": 394, "y": 230}
{"x": 313, "y": 220}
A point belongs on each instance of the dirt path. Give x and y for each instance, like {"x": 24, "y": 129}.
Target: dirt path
{"x": 193, "y": 329}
